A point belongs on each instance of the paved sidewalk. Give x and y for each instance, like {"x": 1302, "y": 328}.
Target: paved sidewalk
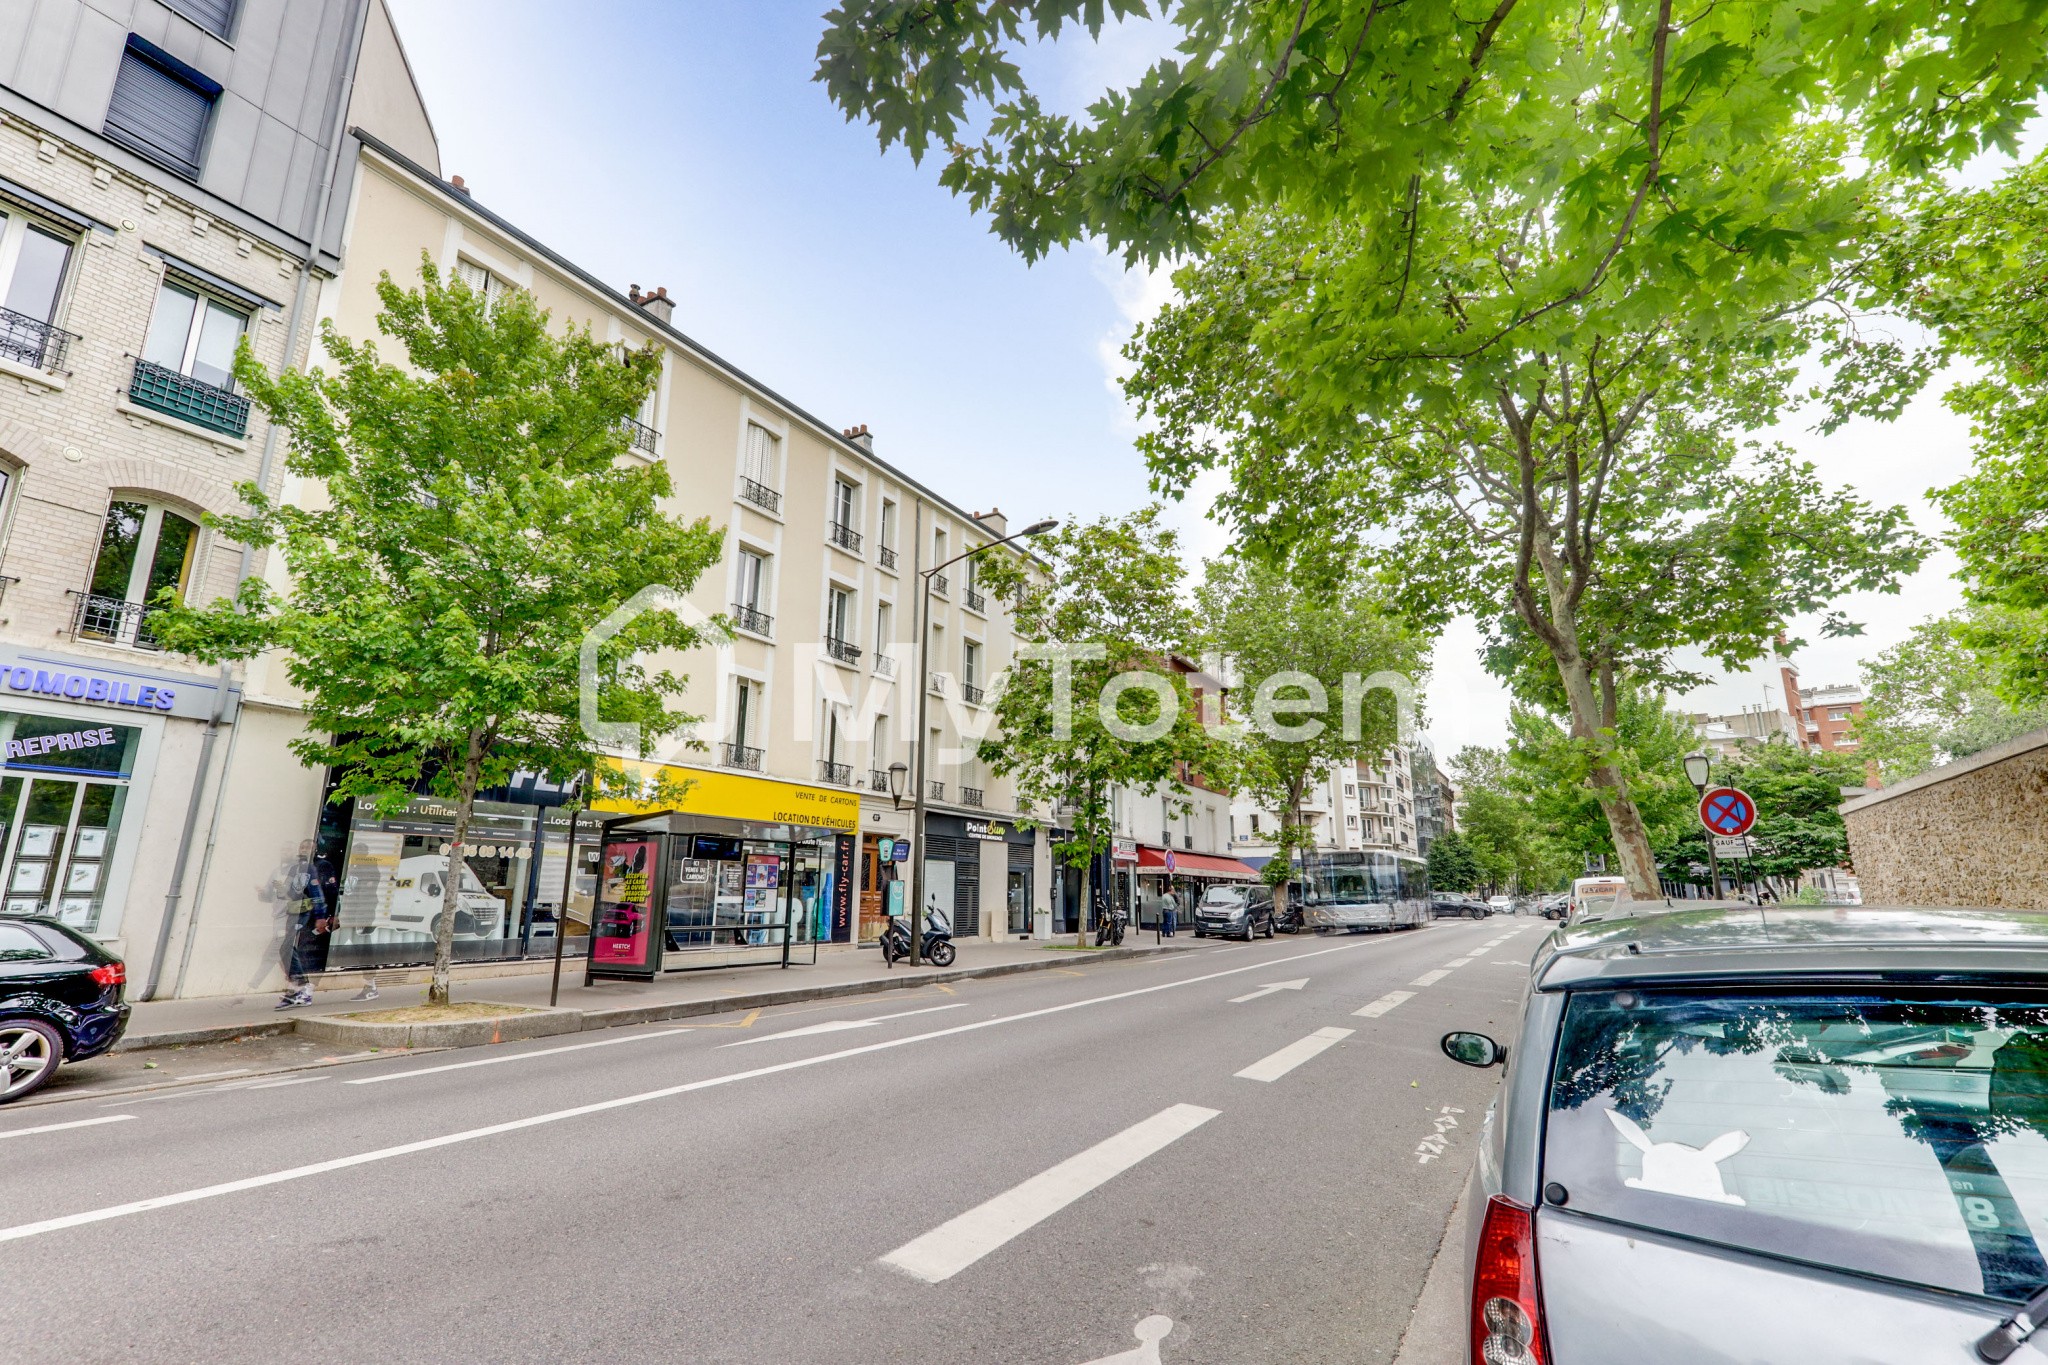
{"x": 839, "y": 970}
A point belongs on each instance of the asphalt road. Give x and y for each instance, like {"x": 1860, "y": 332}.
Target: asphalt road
{"x": 1065, "y": 1167}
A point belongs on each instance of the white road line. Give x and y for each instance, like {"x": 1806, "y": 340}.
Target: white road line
{"x": 842, "y": 1025}
{"x": 1293, "y": 1055}
{"x": 60, "y": 1127}
{"x": 512, "y": 1057}
{"x": 1481, "y": 951}
{"x": 296, "y": 1080}
{"x": 951, "y": 1247}
{"x": 1383, "y": 1004}
{"x": 255, "y": 1182}
{"x": 1457, "y": 963}
{"x": 1431, "y": 978}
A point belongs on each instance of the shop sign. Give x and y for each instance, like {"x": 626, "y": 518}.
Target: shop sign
{"x": 60, "y": 679}
{"x": 903, "y": 850}
{"x": 64, "y": 740}
{"x": 988, "y": 831}
{"x": 1124, "y": 850}
{"x": 734, "y": 797}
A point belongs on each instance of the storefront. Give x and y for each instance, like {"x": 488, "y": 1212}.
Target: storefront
{"x": 679, "y": 891}
{"x": 99, "y": 762}
{"x": 1183, "y": 877}
{"x": 952, "y": 872}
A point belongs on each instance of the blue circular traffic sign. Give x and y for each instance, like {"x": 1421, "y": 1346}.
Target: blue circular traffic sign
{"x": 1728, "y": 812}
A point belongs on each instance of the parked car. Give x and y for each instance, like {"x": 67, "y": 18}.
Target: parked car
{"x": 1558, "y": 906}
{"x": 1235, "y": 911}
{"x": 1714, "y": 1115}
{"x": 60, "y": 1001}
{"x": 1501, "y": 905}
{"x": 1451, "y": 905}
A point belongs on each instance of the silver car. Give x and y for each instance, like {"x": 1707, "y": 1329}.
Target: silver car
{"x": 1738, "y": 1136}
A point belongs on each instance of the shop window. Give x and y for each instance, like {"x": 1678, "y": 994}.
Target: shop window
{"x": 63, "y": 791}
{"x": 145, "y": 548}
{"x": 34, "y": 261}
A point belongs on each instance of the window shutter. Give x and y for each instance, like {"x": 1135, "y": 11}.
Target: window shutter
{"x": 212, "y": 15}
{"x": 158, "y": 114}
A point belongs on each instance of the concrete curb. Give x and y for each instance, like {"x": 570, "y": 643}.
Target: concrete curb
{"x": 325, "y": 1027}
{"x": 518, "y": 1025}
{"x": 1437, "y": 1328}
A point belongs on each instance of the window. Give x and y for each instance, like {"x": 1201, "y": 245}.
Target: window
{"x": 888, "y": 525}
{"x": 33, "y": 263}
{"x": 751, "y": 593}
{"x": 842, "y": 503}
{"x": 144, "y": 548}
{"x": 1838, "y": 713}
{"x": 194, "y": 336}
{"x": 883, "y": 638}
{"x": 747, "y": 722}
{"x": 764, "y": 455}
{"x": 482, "y": 281}
{"x": 970, "y": 664}
{"x": 161, "y": 107}
{"x": 839, "y": 616}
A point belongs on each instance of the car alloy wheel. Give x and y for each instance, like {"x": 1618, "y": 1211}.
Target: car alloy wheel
{"x": 29, "y": 1053}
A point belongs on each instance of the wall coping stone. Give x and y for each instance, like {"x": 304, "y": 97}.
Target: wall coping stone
{"x": 1962, "y": 767}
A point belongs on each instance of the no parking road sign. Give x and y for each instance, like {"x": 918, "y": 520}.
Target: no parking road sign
{"x": 1728, "y": 812}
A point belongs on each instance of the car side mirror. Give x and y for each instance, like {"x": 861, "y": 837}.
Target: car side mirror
{"x": 1473, "y": 1049}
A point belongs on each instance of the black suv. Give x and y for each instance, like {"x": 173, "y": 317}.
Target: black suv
{"x": 1237, "y": 911}
{"x": 60, "y": 1001}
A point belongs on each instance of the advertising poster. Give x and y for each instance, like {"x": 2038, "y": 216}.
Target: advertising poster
{"x": 764, "y": 894}
{"x": 622, "y": 936}
{"x": 841, "y": 889}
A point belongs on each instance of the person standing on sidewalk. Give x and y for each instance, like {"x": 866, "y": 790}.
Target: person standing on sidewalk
{"x": 295, "y": 890}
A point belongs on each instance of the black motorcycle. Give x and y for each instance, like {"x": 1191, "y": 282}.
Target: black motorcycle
{"x": 938, "y": 942}
{"x": 1109, "y": 928}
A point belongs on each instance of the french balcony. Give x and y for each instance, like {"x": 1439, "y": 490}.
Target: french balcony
{"x": 740, "y": 756}
{"x": 845, "y": 537}
{"x": 939, "y": 584}
{"x": 761, "y": 495}
{"x": 970, "y": 796}
{"x": 971, "y": 694}
{"x": 976, "y": 602}
{"x": 835, "y": 774}
{"x": 33, "y": 343}
{"x": 645, "y": 439}
{"x": 878, "y": 781}
{"x": 111, "y": 620}
{"x": 938, "y": 684}
{"x": 842, "y": 651}
{"x": 887, "y": 557}
{"x": 884, "y": 666}
{"x": 936, "y": 791}
{"x": 752, "y": 621}
{"x": 164, "y": 390}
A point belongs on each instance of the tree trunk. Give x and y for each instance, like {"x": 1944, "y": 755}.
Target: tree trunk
{"x": 451, "y": 890}
{"x": 1087, "y": 902}
{"x": 1610, "y": 786}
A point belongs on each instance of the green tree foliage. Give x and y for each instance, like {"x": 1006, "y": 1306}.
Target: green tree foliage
{"x": 1549, "y": 768}
{"x": 1071, "y": 728}
{"x": 1671, "y": 132}
{"x": 1798, "y": 796}
{"x": 1931, "y": 698}
{"x": 1973, "y": 264}
{"x": 1314, "y": 646}
{"x": 1452, "y": 865}
{"x": 479, "y": 518}
{"x": 1583, "y": 484}
{"x": 1499, "y": 826}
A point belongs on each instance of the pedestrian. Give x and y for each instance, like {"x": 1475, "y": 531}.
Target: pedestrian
{"x": 1169, "y": 913}
{"x": 295, "y": 890}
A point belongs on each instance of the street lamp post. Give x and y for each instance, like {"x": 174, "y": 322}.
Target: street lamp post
{"x": 1699, "y": 770}
{"x": 924, "y": 692}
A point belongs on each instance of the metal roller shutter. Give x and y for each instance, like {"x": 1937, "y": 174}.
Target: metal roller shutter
{"x": 212, "y": 15}
{"x": 965, "y": 855}
{"x": 158, "y": 114}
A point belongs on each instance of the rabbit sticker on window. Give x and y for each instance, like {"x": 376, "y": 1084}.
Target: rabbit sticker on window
{"x": 1676, "y": 1169}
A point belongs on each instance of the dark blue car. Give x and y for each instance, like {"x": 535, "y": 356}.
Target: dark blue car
{"x": 60, "y": 1001}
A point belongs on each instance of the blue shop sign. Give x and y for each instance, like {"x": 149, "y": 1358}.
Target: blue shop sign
{"x": 64, "y": 679}
{"x": 65, "y": 685}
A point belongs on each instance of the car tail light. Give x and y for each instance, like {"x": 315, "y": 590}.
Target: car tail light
{"x": 1507, "y": 1319}
{"x": 110, "y": 974}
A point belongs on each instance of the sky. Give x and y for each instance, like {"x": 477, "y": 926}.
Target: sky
{"x": 682, "y": 143}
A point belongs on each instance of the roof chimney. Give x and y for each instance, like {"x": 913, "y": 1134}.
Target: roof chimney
{"x": 658, "y": 303}
{"x": 994, "y": 521}
{"x": 456, "y": 183}
{"x": 861, "y": 437}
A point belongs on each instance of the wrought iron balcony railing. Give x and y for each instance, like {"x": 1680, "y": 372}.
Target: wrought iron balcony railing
{"x": 646, "y": 439}
{"x": 939, "y": 584}
{"x": 884, "y": 666}
{"x": 33, "y": 343}
{"x": 977, "y": 602}
{"x": 888, "y": 557}
{"x": 845, "y": 537}
{"x": 836, "y": 774}
{"x": 970, "y": 796}
{"x": 878, "y": 781}
{"x": 761, "y": 495}
{"x": 192, "y": 400}
{"x": 749, "y": 619}
{"x": 740, "y": 756}
{"x": 937, "y": 790}
{"x": 971, "y": 694}
{"x": 112, "y": 620}
{"x": 842, "y": 651}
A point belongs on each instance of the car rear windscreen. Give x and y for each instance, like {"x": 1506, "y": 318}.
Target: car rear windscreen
{"x": 1889, "y": 1134}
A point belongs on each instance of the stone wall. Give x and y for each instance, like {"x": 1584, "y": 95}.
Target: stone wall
{"x": 1973, "y": 833}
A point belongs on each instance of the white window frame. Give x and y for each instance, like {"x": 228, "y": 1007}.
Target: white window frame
{"x": 202, "y": 300}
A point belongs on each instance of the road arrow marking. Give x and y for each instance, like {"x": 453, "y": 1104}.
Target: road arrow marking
{"x": 1269, "y": 989}
{"x": 841, "y": 1025}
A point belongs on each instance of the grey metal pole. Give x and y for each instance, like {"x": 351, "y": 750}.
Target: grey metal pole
{"x": 924, "y": 693}
{"x": 562, "y": 910}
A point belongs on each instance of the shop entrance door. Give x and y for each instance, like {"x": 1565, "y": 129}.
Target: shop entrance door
{"x": 56, "y": 844}
{"x": 1020, "y": 901}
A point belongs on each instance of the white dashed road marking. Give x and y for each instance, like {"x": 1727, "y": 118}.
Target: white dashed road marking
{"x": 60, "y": 1127}
{"x": 1383, "y": 1004}
{"x": 951, "y": 1247}
{"x": 1431, "y": 978}
{"x": 1293, "y": 1055}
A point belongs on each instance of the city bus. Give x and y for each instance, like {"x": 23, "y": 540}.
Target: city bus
{"x": 1356, "y": 892}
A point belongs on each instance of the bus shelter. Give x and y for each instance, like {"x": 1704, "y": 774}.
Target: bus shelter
{"x": 679, "y": 891}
